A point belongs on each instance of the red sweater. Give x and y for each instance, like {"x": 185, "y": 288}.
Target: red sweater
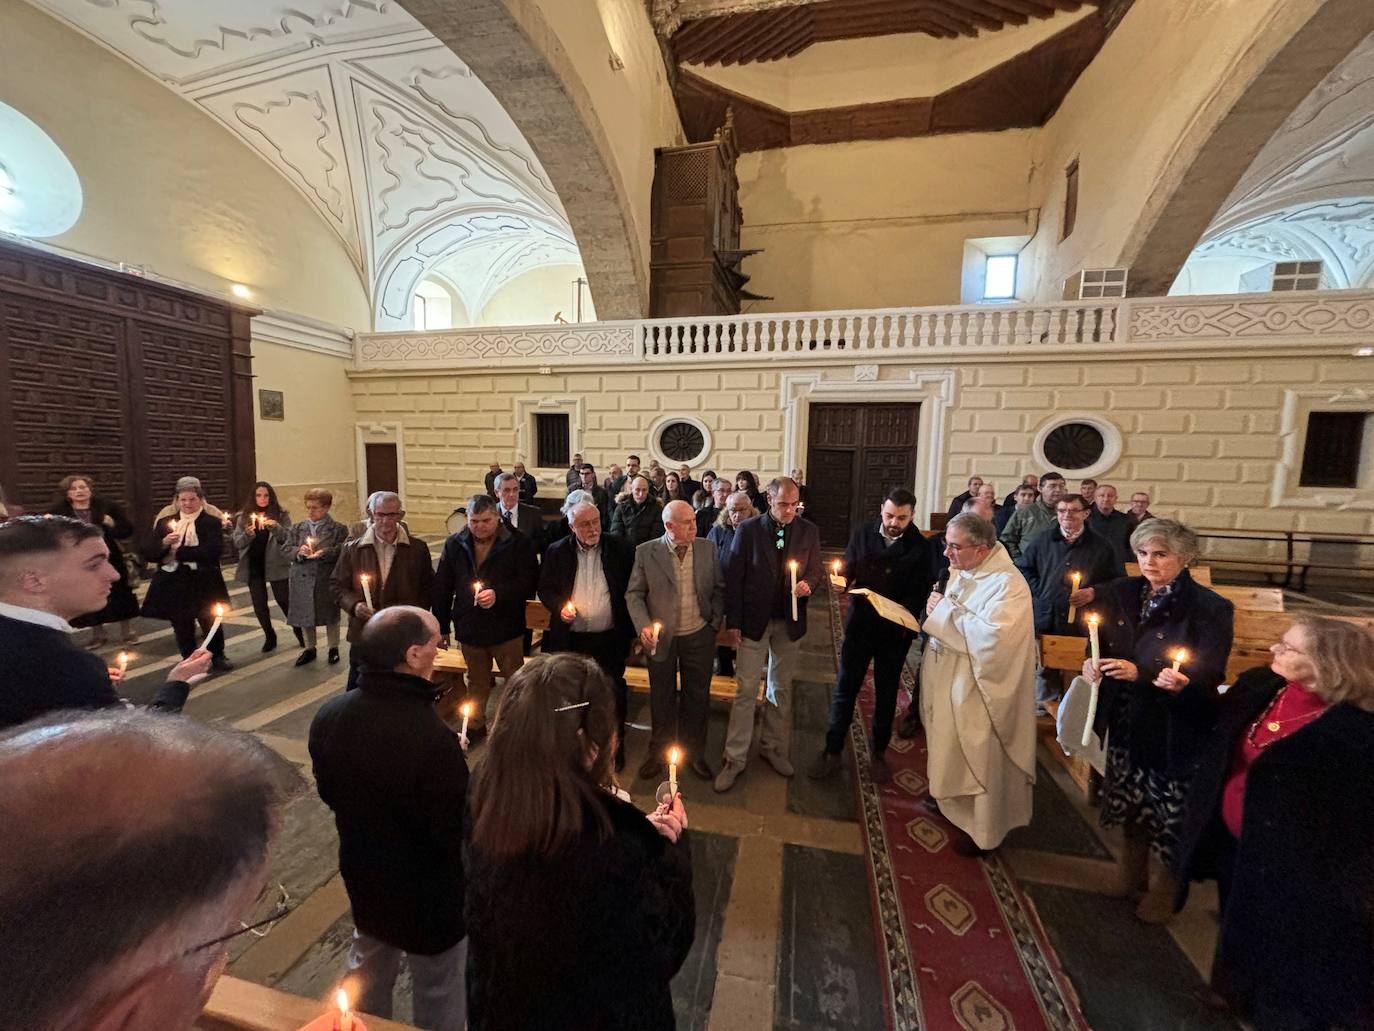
{"x": 1294, "y": 708}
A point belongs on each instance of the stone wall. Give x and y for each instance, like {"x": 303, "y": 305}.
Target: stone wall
{"x": 1204, "y": 434}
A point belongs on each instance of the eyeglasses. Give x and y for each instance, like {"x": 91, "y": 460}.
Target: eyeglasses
{"x": 387, "y": 515}
{"x": 272, "y": 905}
{"x": 1283, "y": 647}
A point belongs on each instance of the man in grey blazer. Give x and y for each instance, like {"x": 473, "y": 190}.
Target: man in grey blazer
{"x": 677, "y": 587}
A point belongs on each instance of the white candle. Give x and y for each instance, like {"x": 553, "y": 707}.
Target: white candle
{"x": 1092, "y": 715}
{"x": 123, "y": 663}
{"x": 674, "y": 757}
{"x": 345, "y": 1022}
{"x": 1180, "y": 657}
{"x": 466, "y": 710}
{"x": 1077, "y": 579}
{"x": 476, "y": 590}
{"x": 1092, "y": 639}
{"x": 366, "y": 581}
{"x": 658, "y": 629}
{"x": 792, "y": 569}
{"x": 219, "y": 618}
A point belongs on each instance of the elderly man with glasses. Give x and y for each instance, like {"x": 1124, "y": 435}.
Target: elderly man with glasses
{"x": 977, "y": 686}
{"x": 385, "y": 566}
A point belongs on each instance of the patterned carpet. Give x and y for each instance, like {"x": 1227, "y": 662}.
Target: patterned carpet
{"x": 959, "y": 943}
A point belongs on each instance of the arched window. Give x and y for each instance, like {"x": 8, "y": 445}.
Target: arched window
{"x": 433, "y": 306}
{"x": 40, "y": 194}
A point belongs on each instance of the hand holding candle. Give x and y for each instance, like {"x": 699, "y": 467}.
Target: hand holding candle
{"x": 1180, "y": 657}
{"x": 569, "y": 611}
{"x": 123, "y": 664}
{"x": 366, "y": 581}
{"x": 466, "y": 710}
{"x": 792, "y": 571}
{"x": 1093, "y": 620}
{"x": 1077, "y": 579}
{"x": 658, "y": 629}
{"x": 836, "y": 580}
{"x": 219, "y": 618}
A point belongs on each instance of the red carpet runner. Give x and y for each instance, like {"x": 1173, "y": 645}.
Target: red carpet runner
{"x": 959, "y": 944}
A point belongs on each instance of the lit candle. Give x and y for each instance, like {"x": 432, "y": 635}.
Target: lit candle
{"x": 1180, "y": 657}
{"x": 836, "y": 580}
{"x": 219, "y": 618}
{"x": 570, "y": 610}
{"x": 674, "y": 757}
{"x": 1077, "y": 579}
{"x": 476, "y": 590}
{"x": 341, "y": 1018}
{"x": 466, "y": 710}
{"x": 366, "y": 581}
{"x": 171, "y": 526}
{"x": 658, "y": 629}
{"x": 792, "y": 568}
{"x": 1092, "y": 638}
{"x": 123, "y": 663}
{"x": 835, "y": 567}
{"x": 310, "y": 543}
{"x": 227, "y": 518}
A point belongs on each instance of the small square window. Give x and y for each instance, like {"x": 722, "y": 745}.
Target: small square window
{"x": 551, "y": 436}
{"x": 1333, "y": 449}
{"x": 999, "y": 281}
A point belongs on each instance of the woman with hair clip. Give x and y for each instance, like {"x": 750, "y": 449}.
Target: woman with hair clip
{"x": 80, "y": 501}
{"x": 260, "y": 533}
{"x": 579, "y": 907}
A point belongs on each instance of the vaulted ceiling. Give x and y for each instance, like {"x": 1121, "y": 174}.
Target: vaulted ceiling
{"x": 400, "y": 149}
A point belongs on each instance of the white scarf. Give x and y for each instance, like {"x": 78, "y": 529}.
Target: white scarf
{"x": 184, "y": 526}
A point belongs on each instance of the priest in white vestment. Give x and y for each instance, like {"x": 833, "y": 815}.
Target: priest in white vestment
{"x": 978, "y": 689}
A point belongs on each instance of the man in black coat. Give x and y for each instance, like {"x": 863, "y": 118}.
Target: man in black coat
{"x": 891, "y": 558}
{"x": 1112, "y": 526}
{"x": 529, "y": 486}
{"x": 396, "y": 778}
{"x": 957, "y": 504}
{"x": 52, "y": 570}
{"x": 598, "y": 492}
{"x": 1049, "y": 563}
{"x": 512, "y": 511}
{"x": 1030, "y": 480}
{"x": 486, "y": 573}
{"x": 489, "y": 481}
{"x": 759, "y": 606}
{"x": 582, "y": 583}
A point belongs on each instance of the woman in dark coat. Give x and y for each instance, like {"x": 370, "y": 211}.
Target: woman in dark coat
{"x": 579, "y": 907}
{"x": 259, "y": 534}
{"x": 639, "y": 518}
{"x": 749, "y": 483}
{"x": 188, "y": 584}
{"x": 1280, "y": 813}
{"x": 1155, "y": 718}
{"x": 79, "y": 502}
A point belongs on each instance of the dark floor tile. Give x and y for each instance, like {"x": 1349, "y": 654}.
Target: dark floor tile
{"x": 827, "y": 957}
{"x": 832, "y": 799}
{"x": 1056, "y": 826}
{"x": 713, "y": 871}
{"x": 1129, "y": 976}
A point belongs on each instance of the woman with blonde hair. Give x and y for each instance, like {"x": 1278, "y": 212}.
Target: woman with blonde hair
{"x": 312, "y": 546}
{"x": 1281, "y": 814}
{"x": 579, "y": 907}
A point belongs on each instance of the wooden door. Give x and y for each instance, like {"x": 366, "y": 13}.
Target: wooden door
{"x": 381, "y": 469}
{"x": 856, "y": 453}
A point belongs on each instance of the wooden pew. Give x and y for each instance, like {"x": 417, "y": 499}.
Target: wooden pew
{"x": 450, "y": 660}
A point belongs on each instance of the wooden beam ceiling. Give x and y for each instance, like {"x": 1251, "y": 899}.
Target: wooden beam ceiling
{"x": 778, "y": 32}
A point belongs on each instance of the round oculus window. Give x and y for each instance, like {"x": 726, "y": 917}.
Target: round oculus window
{"x": 681, "y": 441}
{"x": 1074, "y": 445}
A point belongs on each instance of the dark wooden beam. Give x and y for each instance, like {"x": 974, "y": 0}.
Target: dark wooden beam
{"x": 992, "y": 9}
{"x": 766, "y": 47}
{"x": 958, "y": 26}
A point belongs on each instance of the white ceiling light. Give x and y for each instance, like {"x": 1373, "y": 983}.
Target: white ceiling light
{"x": 6, "y": 183}
{"x": 239, "y": 290}
{"x": 40, "y": 194}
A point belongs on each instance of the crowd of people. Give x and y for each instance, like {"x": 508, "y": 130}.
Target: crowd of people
{"x": 531, "y": 892}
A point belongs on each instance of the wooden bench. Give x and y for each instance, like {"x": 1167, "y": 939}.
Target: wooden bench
{"x": 237, "y": 1005}
{"x": 450, "y": 660}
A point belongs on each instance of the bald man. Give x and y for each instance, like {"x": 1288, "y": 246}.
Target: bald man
{"x": 135, "y": 852}
{"x": 676, "y": 601}
{"x": 396, "y": 778}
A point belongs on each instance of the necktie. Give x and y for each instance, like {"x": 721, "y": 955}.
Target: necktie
{"x": 681, "y": 550}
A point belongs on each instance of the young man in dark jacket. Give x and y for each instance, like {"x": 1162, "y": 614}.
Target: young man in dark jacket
{"x": 486, "y": 573}
{"x": 1050, "y": 561}
{"x": 891, "y": 558}
{"x": 396, "y": 778}
{"x": 582, "y": 583}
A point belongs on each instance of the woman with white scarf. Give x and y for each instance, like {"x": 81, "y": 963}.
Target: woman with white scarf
{"x": 186, "y": 545}
{"x": 312, "y": 545}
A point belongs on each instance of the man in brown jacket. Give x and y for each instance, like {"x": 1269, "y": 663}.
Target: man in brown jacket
{"x": 397, "y": 565}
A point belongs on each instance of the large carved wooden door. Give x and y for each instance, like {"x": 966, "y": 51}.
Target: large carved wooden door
{"x": 856, "y": 454}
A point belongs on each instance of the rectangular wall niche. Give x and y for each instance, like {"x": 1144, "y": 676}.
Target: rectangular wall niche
{"x": 551, "y": 440}
{"x": 1332, "y": 453}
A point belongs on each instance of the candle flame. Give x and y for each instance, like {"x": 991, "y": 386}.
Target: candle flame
{"x": 792, "y": 564}
{"x": 1181, "y": 655}
{"x": 657, "y": 626}
{"x": 341, "y": 1000}
{"x": 674, "y": 756}
{"x": 123, "y": 658}
{"x": 836, "y": 567}
{"x": 365, "y": 578}
{"x": 466, "y": 709}
{"x": 1092, "y": 619}
{"x": 219, "y": 611}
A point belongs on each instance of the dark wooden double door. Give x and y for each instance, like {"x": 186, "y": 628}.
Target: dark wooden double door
{"x": 855, "y": 454}
{"x": 131, "y": 382}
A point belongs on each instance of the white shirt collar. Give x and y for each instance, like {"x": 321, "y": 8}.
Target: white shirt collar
{"x": 38, "y": 617}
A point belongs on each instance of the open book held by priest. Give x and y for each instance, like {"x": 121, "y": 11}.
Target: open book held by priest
{"x": 889, "y": 609}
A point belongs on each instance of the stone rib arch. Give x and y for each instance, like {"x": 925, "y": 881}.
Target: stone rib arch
{"x": 512, "y": 49}
{"x": 1290, "y": 55}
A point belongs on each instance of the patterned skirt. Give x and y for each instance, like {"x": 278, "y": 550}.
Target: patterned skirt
{"x": 1146, "y": 798}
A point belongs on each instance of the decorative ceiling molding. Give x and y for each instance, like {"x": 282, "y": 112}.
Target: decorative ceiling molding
{"x": 401, "y": 150}
{"x": 1022, "y": 92}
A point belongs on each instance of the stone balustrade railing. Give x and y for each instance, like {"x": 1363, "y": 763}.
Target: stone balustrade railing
{"x": 1240, "y": 321}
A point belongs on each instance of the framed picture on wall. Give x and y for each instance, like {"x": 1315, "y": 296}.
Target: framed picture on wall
{"x": 271, "y": 404}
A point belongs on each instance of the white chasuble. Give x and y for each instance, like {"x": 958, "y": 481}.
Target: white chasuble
{"x": 978, "y": 700}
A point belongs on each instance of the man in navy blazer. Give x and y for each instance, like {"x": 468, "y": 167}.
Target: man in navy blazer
{"x": 758, "y": 611}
